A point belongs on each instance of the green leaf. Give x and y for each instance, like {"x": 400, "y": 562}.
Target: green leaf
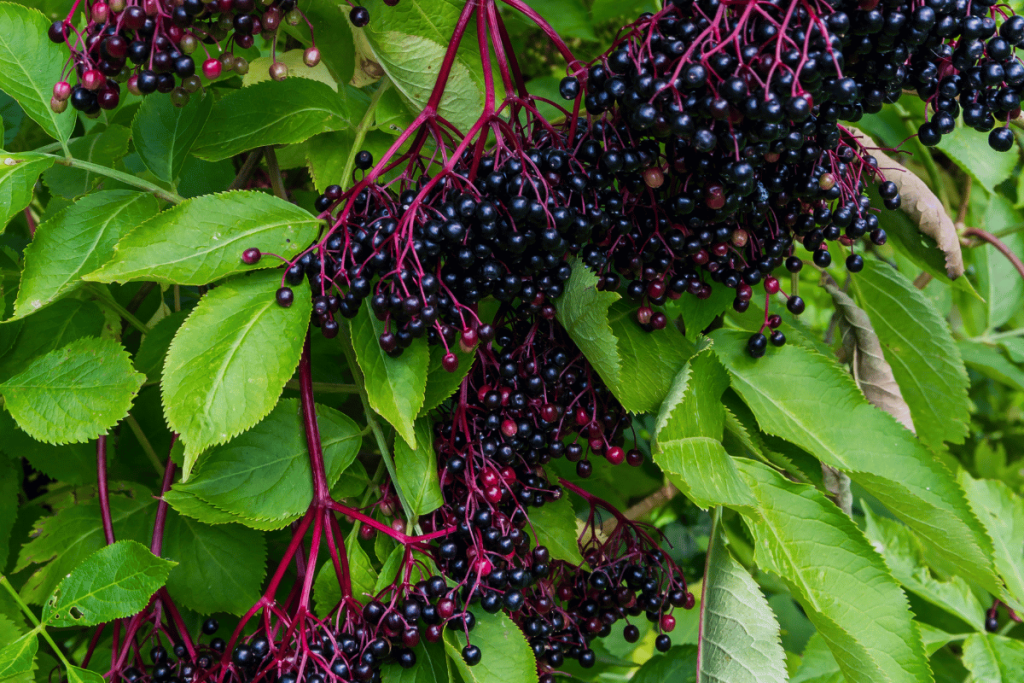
{"x": 229, "y": 362}
{"x": 991, "y": 363}
{"x": 294, "y": 60}
{"x": 115, "y": 581}
{"x": 18, "y": 176}
{"x": 10, "y": 487}
{"x": 263, "y": 478}
{"x": 62, "y": 541}
{"x": 678, "y": 665}
{"x": 152, "y": 353}
{"x": 689, "y": 435}
{"x": 417, "y": 470}
{"x": 220, "y": 568}
{"x": 554, "y": 526}
{"x": 75, "y": 241}
{"x": 698, "y": 314}
{"x": 201, "y": 240}
{"x": 441, "y": 384}
{"x": 104, "y": 148}
{"x": 432, "y": 666}
{"x": 29, "y": 66}
{"x": 333, "y": 37}
{"x": 868, "y": 444}
{"x": 70, "y": 463}
{"x": 394, "y": 386}
{"x": 583, "y": 312}
{"x": 52, "y": 328}
{"x": 272, "y": 113}
{"x": 164, "y": 133}
{"x": 905, "y": 558}
{"x": 920, "y": 349}
{"x": 998, "y": 281}
{"x": 327, "y": 592}
{"x": 739, "y": 635}
{"x": 410, "y": 40}
{"x": 506, "y": 657}
{"x": 1001, "y": 511}
{"x": 19, "y": 656}
{"x": 993, "y": 659}
{"x": 818, "y": 664}
{"x": 840, "y": 582}
{"x": 969, "y": 150}
{"x": 75, "y": 393}
{"x": 77, "y": 675}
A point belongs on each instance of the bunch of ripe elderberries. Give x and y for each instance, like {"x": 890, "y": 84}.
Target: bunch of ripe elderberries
{"x": 157, "y": 46}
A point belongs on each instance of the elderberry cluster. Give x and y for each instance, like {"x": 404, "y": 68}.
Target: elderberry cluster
{"x": 158, "y": 46}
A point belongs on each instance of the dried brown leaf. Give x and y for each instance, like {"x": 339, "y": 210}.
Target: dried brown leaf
{"x": 920, "y": 204}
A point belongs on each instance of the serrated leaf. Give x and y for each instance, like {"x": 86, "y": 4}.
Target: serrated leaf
{"x": 842, "y": 584}
{"x": 583, "y": 312}
{"x": 19, "y": 656}
{"x": 327, "y": 591}
{"x": 506, "y": 654}
{"x": 864, "y": 353}
{"x": 152, "y": 353}
{"x": 416, "y": 470}
{"x": 18, "y": 176}
{"x": 698, "y": 314}
{"x": 220, "y": 568}
{"x": 29, "y": 66}
{"x": 678, "y": 665}
{"x": 272, "y": 113}
{"x": 739, "y": 634}
{"x": 553, "y": 525}
{"x": 75, "y": 393}
{"x": 115, "y": 581}
{"x": 201, "y": 240}
{"x": 105, "y": 148}
{"x": 164, "y": 133}
{"x": 77, "y": 675}
{"x": 431, "y": 666}
{"x": 230, "y": 360}
{"x": 969, "y": 149}
{"x": 52, "y": 328}
{"x": 395, "y": 386}
{"x": 818, "y": 665}
{"x": 920, "y": 350}
{"x": 75, "y": 241}
{"x": 867, "y": 444}
{"x": 991, "y": 363}
{"x": 1001, "y": 511}
{"x": 993, "y": 659}
{"x": 69, "y": 463}
{"x": 262, "y": 477}
{"x": 441, "y": 384}
{"x": 649, "y": 360}
{"x": 905, "y": 559}
{"x": 689, "y": 433}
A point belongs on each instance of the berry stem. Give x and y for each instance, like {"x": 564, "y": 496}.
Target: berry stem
{"x": 321, "y": 492}
{"x": 248, "y": 168}
{"x": 1000, "y": 246}
{"x": 104, "y": 494}
{"x": 364, "y": 126}
{"x": 101, "y": 293}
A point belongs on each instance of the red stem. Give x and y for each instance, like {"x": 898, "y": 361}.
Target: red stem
{"x": 156, "y": 545}
{"x": 986, "y": 236}
{"x": 101, "y": 477}
{"x": 321, "y": 492}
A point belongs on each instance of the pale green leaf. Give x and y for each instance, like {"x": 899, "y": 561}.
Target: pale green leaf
{"x": 75, "y": 241}
{"x": 164, "y": 133}
{"x": 417, "y": 470}
{"x": 553, "y": 525}
{"x": 75, "y": 393}
{"x": 18, "y": 656}
{"x": 18, "y": 176}
{"x": 394, "y": 386}
{"x": 507, "y": 656}
{"x": 201, "y": 240}
{"x": 1002, "y": 512}
{"x": 230, "y": 360}
{"x": 29, "y": 66}
{"x": 77, "y": 675}
{"x": 115, "y": 581}
{"x": 818, "y": 665}
{"x": 993, "y": 659}
{"x": 739, "y": 635}
{"x": 868, "y": 444}
{"x": 294, "y": 60}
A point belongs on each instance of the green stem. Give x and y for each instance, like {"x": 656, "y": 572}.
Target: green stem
{"x": 109, "y": 301}
{"x": 274, "y": 171}
{"x": 147, "y": 447}
{"x": 38, "y": 628}
{"x": 364, "y": 126}
{"x": 126, "y": 178}
{"x": 378, "y": 433}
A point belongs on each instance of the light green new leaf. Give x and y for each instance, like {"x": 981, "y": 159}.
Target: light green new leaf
{"x": 229, "y": 362}
{"x": 689, "y": 433}
{"x": 394, "y": 386}
{"x": 18, "y": 656}
{"x": 105, "y": 149}
{"x": 164, "y": 133}
{"x": 506, "y": 657}
{"x": 272, "y": 113}
{"x": 75, "y": 393}
{"x": 739, "y": 635}
{"x": 553, "y": 525}
{"x": 75, "y": 241}
{"x": 201, "y": 240}
{"x": 263, "y": 478}
{"x": 18, "y": 176}
{"x": 839, "y": 580}
{"x": 220, "y": 568}
{"x": 29, "y": 66}
{"x": 1002, "y": 513}
{"x": 993, "y": 659}
{"x": 796, "y": 394}
{"x": 77, "y": 675}
{"x": 441, "y": 384}
{"x": 417, "y": 470}
{"x": 50, "y": 329}
{"x": 432, "y": 666}
{"x": 905, "y": 559}
{"x": 115, "y": 581}
{"x": 920, "y": 350}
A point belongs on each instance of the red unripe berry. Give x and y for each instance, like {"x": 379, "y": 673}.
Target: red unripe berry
{"x": 744, "y": 291}
{"x": 61, "y": 90}
{"x": 108, "y": 99}
{"x": 484, "y": 566}
{"x": 493, "y": 494}
{"x": 771, "y": 285}
{"x": 634, "y": 457}
{"x": 565, "y": 593}
{"x": 701, "y": 257}
{"x": 508, "y": 475}
{"x": 714, "y": 196}
{"x": 93, "y": 80}
{"x": 224, "y": 6}
{"x": 279, "y": 71}
{"x": 212, "y": 69}
{"x": 450, "y": 362}
{"x": 506, "y": 392}
{"x": 774, "y": 320}
{"x": 251, "y": 256}
{"x": 445, "y": 608}
{"x": 509, "y": 428}
{"x": 720, "y": 249}
{"x": 470, "y": 337}
{"x": 643, "y": 315}
{"x": 655, "y": 289}
{"x": 311, "y": 57}
{"x": 482, "y": 392}
{"x": 615, "y": 455}
{"x": 100, "y": 12}
{"x": 582, "y": 417}
{"x": 272, "y": 19}
{"x": 489, "y": 478}
{"x": 654, "y": 178}
{"x": 411, "y": 637}
{"x": 367, "y": 532}
{"x": 597, "y": 444}
{"x": 548, "y": 412}
{"x": 668, "y": 623}
{"x": 433, "y": 633}
{"x": 690, "y": 601}
{"x": 704, "y": 291}
{"x": 659, "y": 321}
